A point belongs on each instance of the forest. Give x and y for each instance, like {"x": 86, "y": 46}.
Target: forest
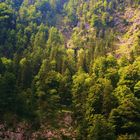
{"x": 69, "y": 69}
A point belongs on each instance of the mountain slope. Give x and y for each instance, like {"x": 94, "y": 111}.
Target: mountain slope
{"x": 70, "y": 69}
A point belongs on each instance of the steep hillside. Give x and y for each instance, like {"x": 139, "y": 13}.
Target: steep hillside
{"x": 70, "y": 69}
{"x": 130, "y": 32}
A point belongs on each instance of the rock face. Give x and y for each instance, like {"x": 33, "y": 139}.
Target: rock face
{"x": 128, "y": 26}
{"x": 10, "y": 134}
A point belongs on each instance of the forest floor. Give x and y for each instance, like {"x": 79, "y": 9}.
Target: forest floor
{"x": 62, "y": 128}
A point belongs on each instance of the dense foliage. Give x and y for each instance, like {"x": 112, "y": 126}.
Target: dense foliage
{"x": 59, "y": 56}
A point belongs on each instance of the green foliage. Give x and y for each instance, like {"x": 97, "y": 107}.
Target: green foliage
{"x": 137, "y": 89}
{"x": 126, "y": 116}
{"x": 55, "y": 38}
{"x": 129, "y": 75}
{"x": 100, "y": 129}
{"x": 121, "y": 92}
{"x": 8, "y": 95}
{"x": 60, "y": 55}
{"x": 65, "y": 88}
{"x": 127, "y": 137}
{"x": 79, "y": 89}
